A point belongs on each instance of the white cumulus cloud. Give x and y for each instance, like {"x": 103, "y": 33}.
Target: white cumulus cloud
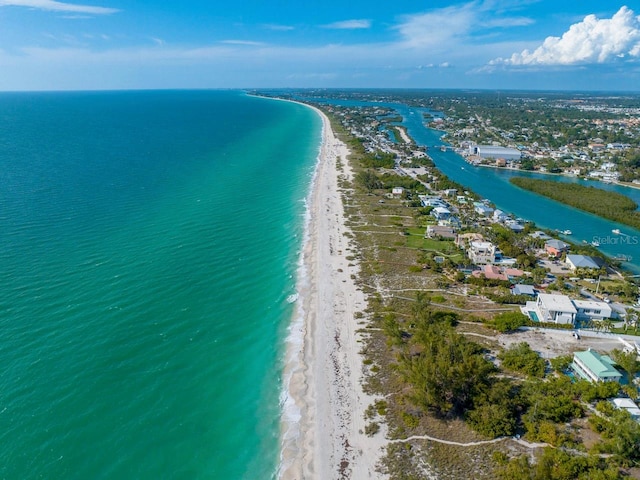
{"x": 52, "y": 5}
{"x": 350, "y": 25}
{"x": 591, "y": 41}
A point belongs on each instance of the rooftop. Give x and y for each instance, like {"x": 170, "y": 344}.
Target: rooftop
{"x": 600, "y": 365}
{"x": 557, "y": 303}
{"x": 584, "y": 261}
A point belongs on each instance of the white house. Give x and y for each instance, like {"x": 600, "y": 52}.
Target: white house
{"x": 441, "y": 213}
{"x": 628, "y": 405}
{"x": 482, "y": 209}
{"x": 397, "y": 191}
{"x": 499, "y": 216}
{"x": 550, "y": 308}
{"x": 482, "y": 253}
{"x": 592, "y": 310}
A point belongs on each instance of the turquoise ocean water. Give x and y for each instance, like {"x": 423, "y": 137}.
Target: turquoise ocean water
{"x": 149, "y": 242}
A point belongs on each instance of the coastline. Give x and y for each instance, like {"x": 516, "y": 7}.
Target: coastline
{"x": 323, "y": 402}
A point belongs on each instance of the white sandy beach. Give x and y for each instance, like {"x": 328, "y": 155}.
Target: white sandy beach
{"x": 323, "y": 422}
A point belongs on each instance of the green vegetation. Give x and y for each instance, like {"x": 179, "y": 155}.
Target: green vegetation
{"x": 441, "y": 373}
{"x": 611, "y": 205}
{"x": 520, "y": 358}
{"x": 555, "y": 464}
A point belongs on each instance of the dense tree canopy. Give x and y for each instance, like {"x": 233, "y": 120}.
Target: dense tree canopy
{"x": 606, "y": 204}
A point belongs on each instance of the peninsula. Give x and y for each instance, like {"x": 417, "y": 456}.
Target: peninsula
{"x": 425, "y": 348}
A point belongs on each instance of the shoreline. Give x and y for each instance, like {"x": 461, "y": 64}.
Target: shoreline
{"x": 323, "y": 402}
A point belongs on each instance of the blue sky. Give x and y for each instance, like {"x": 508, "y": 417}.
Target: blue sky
{"x": 514, "y": 44}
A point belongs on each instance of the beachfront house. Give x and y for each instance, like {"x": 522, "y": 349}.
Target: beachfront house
{"x": 440, "y": 231}
{"x": 555, "y": 248}
{"x": 549, "y": 308}
{"x": 594, "y": 367}
{"x": 583, "y": 261}
{"x": 481, "y": 252}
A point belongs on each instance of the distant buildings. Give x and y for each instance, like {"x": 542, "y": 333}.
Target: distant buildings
{"x": 493, "y": 152}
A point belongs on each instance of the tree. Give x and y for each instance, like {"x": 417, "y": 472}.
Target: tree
{"x": 628, "y": 361}
{"x": 521, "y": 358}
{"x": 561, "y": 363}
{"x": 447, "y": 372}
{"x": 368, "y": 180}
{"x": 509, "y": 321}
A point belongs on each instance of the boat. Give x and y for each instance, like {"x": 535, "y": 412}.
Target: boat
{"x": 616, "y": 231}
{"x": 595, "y": 243}
{"x": 567, "y": 232}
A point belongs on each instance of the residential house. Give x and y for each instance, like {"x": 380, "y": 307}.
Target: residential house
{"x": 628, "y": 405}
{"x": 482, "y": 253}
{"x": 550, "y": 308}
{"x": 482, "y": 209}
{"x": 555, "y": 248}
{"x": 440, "y": 231}
{"x": 592, "y": 310}
{"x": 499, "y": 216}
{"x": 584, "y": 261}
{"x": 594, "y": 367}
{"x": 441, "y": 213}
{"x": 397, "y": 191}
{"x": 522, "y": 289}
{"x": 463, "y": 240}
{"x": 491, "y": 272}
{"x": 540, "y": 234}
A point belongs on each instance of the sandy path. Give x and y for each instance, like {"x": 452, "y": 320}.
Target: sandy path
{"x": 323, "y": 424}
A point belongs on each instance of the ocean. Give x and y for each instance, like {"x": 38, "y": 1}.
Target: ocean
{"x": 150, "y": 242}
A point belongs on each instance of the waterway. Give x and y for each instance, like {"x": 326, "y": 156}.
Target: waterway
{"x": 493, "y": 184}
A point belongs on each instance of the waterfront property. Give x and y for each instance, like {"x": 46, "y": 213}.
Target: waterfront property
{"x": 490, "y": 151}
{"x": 594, "y": 367}
{"x": 584, "y": 261}
{"x": 481, "y": 209}
{"x": 555, "y": 248}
